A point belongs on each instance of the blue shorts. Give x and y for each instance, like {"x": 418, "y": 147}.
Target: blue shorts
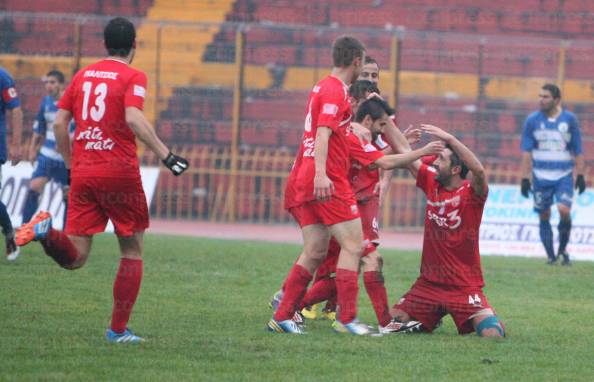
{"x": 544, "y": 190}
{"x": 50, "y": 168}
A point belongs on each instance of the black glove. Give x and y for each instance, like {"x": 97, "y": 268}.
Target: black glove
{"x": 580, "y": 184}
{"x": 176, "y": 164}
{"x": 526, "y": 186}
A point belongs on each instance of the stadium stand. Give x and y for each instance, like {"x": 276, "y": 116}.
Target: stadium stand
{"x": 440, "y": 73}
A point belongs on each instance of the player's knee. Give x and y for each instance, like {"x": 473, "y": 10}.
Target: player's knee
{"x": 36, "y": 187}
{"x": 490, "y": 326}
{"x": 564, "y": 212}
{"x": 354, "y": 247}
{"x": 545, "y": 215}
{"x": 77, "y": 264}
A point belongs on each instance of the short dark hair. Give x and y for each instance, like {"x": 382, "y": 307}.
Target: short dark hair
{"x": 373, "y": 107}
{"x": 456, "y": 161}
{"x": 358, "y": 89}
{"x": 554, "y": 89}
{"x": 57, "y": 74}
{"x": 119, "y": 36}
{"x": 370, "y": 60}
{"x": 345, "y": 49}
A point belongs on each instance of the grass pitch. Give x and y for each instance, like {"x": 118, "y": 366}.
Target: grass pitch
{"x": 203, "y": 308}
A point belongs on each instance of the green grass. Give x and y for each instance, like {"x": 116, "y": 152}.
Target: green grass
{"x": 203, "y": 308}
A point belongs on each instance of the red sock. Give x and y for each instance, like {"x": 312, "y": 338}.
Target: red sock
{"x": 125, "y": 291}
{"x": 374, "y": 284}
{"x": 347, "y": 287}
{"x": 295, "y": 287}
{"x": 58, "y": 246}
{"x": 321, "y": 290}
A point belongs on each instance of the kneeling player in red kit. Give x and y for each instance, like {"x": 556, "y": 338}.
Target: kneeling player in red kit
{"x": 451, "y": 280}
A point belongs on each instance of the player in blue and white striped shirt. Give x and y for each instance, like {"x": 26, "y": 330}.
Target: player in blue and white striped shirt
{"x": 551, "y": 148}
{"x": 49, "y": 164}
{"x": 11, "y": 114}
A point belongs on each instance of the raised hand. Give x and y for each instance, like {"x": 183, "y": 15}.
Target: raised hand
{"x": 436, "y": 132}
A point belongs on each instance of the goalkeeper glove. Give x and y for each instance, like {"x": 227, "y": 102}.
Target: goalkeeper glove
{"x": 580, "y": 184}
{"x": 525, "y": 187}
{"x": 176, "y": 164}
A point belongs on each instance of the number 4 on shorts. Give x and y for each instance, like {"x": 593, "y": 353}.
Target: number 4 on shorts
{"x": 474, "y": 300}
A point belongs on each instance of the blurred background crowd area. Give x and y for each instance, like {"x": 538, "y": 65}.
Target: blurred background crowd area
{"x": 228, "y": 81}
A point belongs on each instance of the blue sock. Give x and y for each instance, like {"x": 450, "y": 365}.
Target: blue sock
{"x": 5, "y": 220}
{"x": 564, "y": 231}
{"x": 546, "y": 236}
{"x": 31, "y": 205}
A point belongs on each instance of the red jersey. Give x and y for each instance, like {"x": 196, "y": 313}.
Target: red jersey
{"x": 104, "y": 145}
{"x": 291, "y": 186}
{"x": 328, "y": 105}
{"x": 451, "y": 238}
{"x": 362, "y": 178}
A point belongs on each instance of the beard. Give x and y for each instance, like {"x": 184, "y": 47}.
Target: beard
{"x": 442, "y": 179}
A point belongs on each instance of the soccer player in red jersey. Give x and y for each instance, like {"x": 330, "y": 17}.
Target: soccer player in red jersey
{"x": 373, "y": 115}
{"x": 366, "y": 159}
{"x": 326, "y": 202}
{"x": 451, "y": 280}
{"x": 106, "y": 100}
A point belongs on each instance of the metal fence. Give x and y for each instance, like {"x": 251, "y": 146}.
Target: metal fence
{"x": 232, "y": 97}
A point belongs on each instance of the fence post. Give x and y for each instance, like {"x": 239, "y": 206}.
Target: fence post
{"x": 395, "y": 53}
{"x": 157, "y": 75}
{"x": 561, "y": 67}
{"x": 77, "y": 47}
{"x": 480, "y": 95}
{"x": 235, "y": 126}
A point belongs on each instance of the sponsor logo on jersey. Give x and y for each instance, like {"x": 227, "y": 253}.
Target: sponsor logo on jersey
{"x": 95, "y": 139}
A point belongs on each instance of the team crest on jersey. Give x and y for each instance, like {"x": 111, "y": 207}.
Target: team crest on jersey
{"x": 563, "y": 127}
{"x": 316, "y": 89}
{"x": 455, "y": 201}
{"x": 12, "y": 93}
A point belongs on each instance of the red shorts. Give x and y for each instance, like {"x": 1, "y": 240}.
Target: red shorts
{"x": 94, "y": 201}
{"x": 428, "y": 303}
{"x": 328, "y": 213}
{"x": 369, "y": 210}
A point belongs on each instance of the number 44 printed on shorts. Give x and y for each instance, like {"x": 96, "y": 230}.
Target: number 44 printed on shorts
{"x": 476, "y": 300}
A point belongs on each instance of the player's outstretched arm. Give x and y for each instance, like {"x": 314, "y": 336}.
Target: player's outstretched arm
{"x": 388, "y": 162}
{"x": 145, "y": 132}
{"x": 15, "y": 116}
{"x": 61, "y": 123}
{"x": 395, "y": 138}
{"x": 479, "y": 177}
{"x": 323, "y": 186}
